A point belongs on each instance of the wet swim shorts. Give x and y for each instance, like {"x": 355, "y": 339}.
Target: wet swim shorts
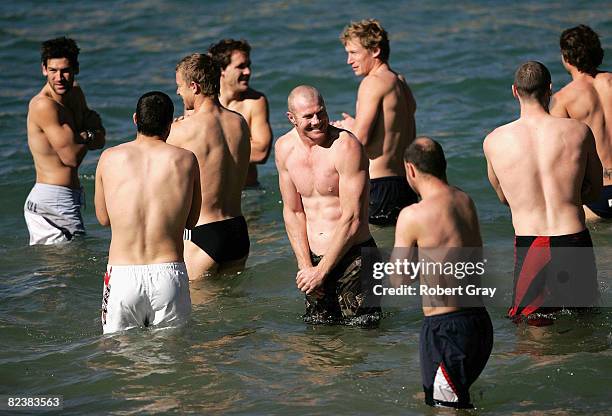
{"x": 223, "y": 241}
{"x": 145, "y": 295}
{"x": 551, "y": 273}
{"x": 603, "y": 206}
{"x": 387, "y": 198}
{"x": 346, "y": 296}
{"x": 454, "y": 349}
{"x": 53, "y": 213}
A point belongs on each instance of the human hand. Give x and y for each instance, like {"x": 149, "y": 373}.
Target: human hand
{"x": 309, "y": 280}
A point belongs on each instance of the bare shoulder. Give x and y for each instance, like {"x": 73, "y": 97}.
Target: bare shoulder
{"x": 377, "y": 84}
{"x": 603, "y": 80}
{"x": 498, "y": 134}
{"x": 284, "y": 142}
{"x": 40, "y": 104}
{"x": 411, "y": 216}
{"x": 346, "y": 141}
{"x": 255, "y": 97}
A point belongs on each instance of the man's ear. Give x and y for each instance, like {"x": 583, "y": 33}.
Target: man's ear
{"x": 291, "y": 117}
{"x": 514, "y": 92}
{"x": 195, "y": 87}
{"x": 375, "y": 52}
{"x": 134, "y": 118}
{"x": 43, "y": 68}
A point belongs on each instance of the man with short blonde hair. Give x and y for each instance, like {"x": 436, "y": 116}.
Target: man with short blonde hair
{"x": 384, "y": 120}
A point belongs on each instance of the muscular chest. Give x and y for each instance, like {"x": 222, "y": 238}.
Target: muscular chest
{"x": 314, "y": 174}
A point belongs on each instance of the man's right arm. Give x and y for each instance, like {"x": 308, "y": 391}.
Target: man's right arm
{"x": 405, "y": 244}
{"x": 293, "y": 211}
{"x": 492, "y": 176}
{"x": 369, "y": 102}
{"x": 593, "y": 176}
{"x": 99, "y": 200}
{"x": 69, "y": 146}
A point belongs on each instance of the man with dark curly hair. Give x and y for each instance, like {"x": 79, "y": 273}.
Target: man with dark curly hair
{"x": 233, "y": 58}
{"x": 61, "y": 129}
{"x": 588, "y": 98}
{"x": 384, "y": 120}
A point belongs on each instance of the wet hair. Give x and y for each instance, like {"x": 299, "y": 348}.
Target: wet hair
{"x": 60, "y": 48}
{"x": 201, "y": 69}
{"x": 532, "y": 80}
{"x": 428, "y": 157}
{"x": 370, "y": 34}
{"x": 154, "y": 114}
{"x": 221, "y": 52}
{"x": 581, "y": 48}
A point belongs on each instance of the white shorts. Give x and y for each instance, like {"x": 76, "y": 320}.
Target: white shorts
{"x": 145, "y": 295}
{"x": 53, "y": 213}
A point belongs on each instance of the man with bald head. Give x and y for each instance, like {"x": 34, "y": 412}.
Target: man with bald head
{"x": 545, "y": 168}
{"x": 455, "y": 341}
{"x": 323, "y": 178}
{"x": 588, "y": 98}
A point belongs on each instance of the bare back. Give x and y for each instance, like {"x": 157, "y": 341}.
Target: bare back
{"x": 445, "y": 218}
{"x": 147, "y": 189}
{"x": 220, "y": 140}
{"x": 589, "y": 99}
{"x": 394, "y": 126}
{"x": 541, "y": 163}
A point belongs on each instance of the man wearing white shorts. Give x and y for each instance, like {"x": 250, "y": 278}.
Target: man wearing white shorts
{"x": 61, "y": 129}
{"x": 148, "y": 192}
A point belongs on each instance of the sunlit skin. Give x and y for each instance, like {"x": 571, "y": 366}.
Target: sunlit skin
{"x": 359, "y": 58}
{"x": 237, "y": 74}
{"x": 60, "y": 75}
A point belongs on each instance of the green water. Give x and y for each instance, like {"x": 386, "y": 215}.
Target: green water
{"x": 246, "y": 350}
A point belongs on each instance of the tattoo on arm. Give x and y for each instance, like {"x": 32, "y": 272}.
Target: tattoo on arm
{"x": 607, "y": 173}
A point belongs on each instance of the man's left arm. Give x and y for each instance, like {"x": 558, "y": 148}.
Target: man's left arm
{"x": 369, "y": 101}
{"x": 261, "y": 132}
{"x": 92, "y": 122}
{"x": 352, "y": 166}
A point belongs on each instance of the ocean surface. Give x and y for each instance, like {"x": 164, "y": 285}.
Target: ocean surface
{"x": 246, "y": 349}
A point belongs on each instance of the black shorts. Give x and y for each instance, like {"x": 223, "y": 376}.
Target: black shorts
{"x": 603, "y": 206}
{"x": 223, "y": 241}
{"x": 346, "y": 296}
{"x": 454, "y": 349}
{"x": 551, "y": 273}
{"x": 387, "y": 198}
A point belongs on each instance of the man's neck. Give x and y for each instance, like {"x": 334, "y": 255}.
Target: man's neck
{"x": 379, "y": 66}
{"x": 143, "y": 138}
{"x": 581, "y": 76}
{"x": 532, "y": 108}
{"x": 204, "y": 103}
{"x": 228, "y": 95}
{"x": 430, "y": 185}
{"x": 48, "y": 91}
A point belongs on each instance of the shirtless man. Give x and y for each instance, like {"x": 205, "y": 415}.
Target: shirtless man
{"x": 455, "y": 341}
{"x": 220, "y": 140}
{"x": 61, "y": 129}
{"x": 588, "y": 98}
{"x": 148, "y": 192}
{"x": 233, "y": 58}
{"x": 384, "y": 119}
{"x": 323, "y": 180}
{"x": 545, "y": 168}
